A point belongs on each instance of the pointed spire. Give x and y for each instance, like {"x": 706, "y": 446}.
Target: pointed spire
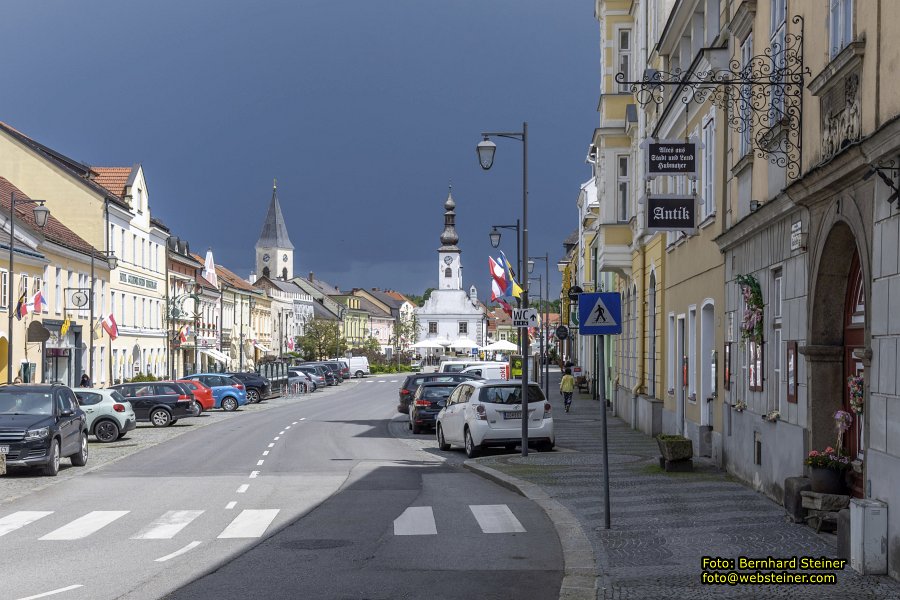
{"x": 449, "y": 238}
{"x": 274, "y": 232}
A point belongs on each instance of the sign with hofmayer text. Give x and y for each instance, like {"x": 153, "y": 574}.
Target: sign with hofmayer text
{"x": 671, "y": 158}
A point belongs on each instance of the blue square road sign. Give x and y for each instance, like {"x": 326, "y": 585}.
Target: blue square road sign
{"x": 600, "y": 313}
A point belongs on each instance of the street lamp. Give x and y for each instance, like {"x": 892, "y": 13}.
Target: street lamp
{"x": 112, "y": 262}
{"x": 545, "y": 335}
{"x": 41, "y": 214}
{"x": 486, "y": 150}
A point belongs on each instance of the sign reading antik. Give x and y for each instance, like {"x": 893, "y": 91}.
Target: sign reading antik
{"x": 676, "y": 158}
{"x": 671, "y": 212}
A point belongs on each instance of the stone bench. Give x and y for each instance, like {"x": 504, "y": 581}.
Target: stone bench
{"x": 823, "y": 509}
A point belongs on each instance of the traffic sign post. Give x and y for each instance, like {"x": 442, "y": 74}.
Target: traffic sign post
{"x": 525, "y": 317}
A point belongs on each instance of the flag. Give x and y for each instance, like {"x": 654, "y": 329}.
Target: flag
{"x": 498, "y": 279}
{"x": 290, "y": 343}
{"x": 512, "y": 288}
{"x": 21, "y": 308}
{"x": 37, "y": 302}
{"x": 181, "y": 336}
{"x": 110, "y": 327}
{"x": 506, "y": 307}
{"x": 64, "y": 328}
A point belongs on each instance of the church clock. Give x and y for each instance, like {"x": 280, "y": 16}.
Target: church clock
{"x": 448, "y": 259}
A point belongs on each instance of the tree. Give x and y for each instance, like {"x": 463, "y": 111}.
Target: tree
{"x": 406, "y": 332}
{"x": 420, "y": 300}
{"x": 321, "y": 339}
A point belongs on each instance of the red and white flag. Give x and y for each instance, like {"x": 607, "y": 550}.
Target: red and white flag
{"x": 109, "y": 326}
{"x": 37, "y": 303}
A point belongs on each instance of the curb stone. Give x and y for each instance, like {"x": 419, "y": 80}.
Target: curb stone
{"x": 580, "y": 581}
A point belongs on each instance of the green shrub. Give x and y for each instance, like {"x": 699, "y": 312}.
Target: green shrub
{"x": 671, "y": 438}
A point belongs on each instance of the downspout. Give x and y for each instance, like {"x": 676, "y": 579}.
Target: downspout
{"x": 641, "y": 388}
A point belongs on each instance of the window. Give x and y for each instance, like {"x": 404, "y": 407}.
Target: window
{"x": 624, "y": 64}
{"x": 622, "y": 176}
{"x": 670, "y": 340}
{"x": 651, "y": 303}
{"x": 692, "y": 353}
{"x": 448, "y": 272}
{"x": 463, "y": 327}
{"x": 776, "y": 353}
{"x": 840, "y": 25}
{"x": 4, "y": 289}
{"x": 432, "y": 326}
{"x": 746, "y": 99}
{"x": 122, "y": 246}
{"x": 134, "y": 311}
{"x": 57, "y": 299}
{"x": 23, "y": 284}
{"x": 708, "y": 202}
{"x": 755, "y": 370}
{"x": 778, "y": 31}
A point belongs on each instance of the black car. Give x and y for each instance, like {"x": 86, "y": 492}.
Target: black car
{"x": 412, "y": 383}
{"x": 319, "y": 374}
{"x": 258, "y": 387}
{"x": 427, "y": 402}
{"x": 39, "y": 423}
{"x": 161, "y": 403}
{"x": 333, "y": 376}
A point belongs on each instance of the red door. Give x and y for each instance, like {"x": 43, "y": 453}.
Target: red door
{"x": 854, "y": 339}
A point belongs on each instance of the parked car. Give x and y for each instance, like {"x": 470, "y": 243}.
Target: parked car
{"x": 359, "y": 366}
{"x": 317, "y": 374}
{"x": 479, "y": 414}
{"x": 489, "y": 370}
{"x": 344, "y": 366}
{"x": 39, "y": 423}
{"x": 258, "y": 387}
{"x": 228, "y": 392}
{"x": 416, "y": 365}
{"x": 427, "y": 402}
{"x": 412, "y": 383}
{"x": 203, "y": 396}
{"x": 331, "y": 378}
{"x": 109, "y": 415}
{"x": 337, "y": 368}
{"x": 302, "y": 378}
{"x": 161, "y": 403}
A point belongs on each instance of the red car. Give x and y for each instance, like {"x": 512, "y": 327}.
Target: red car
{"x": 202, "y": 394}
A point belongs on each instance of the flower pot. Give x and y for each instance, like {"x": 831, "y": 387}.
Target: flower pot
{"x": 675, "y": 449}
{"x": 827, "y": 481}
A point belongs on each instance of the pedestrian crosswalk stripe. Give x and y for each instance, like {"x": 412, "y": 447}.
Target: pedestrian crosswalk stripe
{"x": 251, "y": 523}
{"x": 168, "y": 525}
{"x": 21, "y": 519}
{"x": 496, "y": 518}
{"x": 84, "y": 526}
{"x": 416, "y": 520}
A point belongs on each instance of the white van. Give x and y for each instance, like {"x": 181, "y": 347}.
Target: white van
{"x": 490, "y": 370}
{"x": 359, "y": 365}
{"x": 455, "y": 366}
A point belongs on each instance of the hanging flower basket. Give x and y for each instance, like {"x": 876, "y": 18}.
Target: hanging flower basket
{"x": 740, "y": 406}
{"x": 856, "y": 387}
{"x": 752, "y": 319}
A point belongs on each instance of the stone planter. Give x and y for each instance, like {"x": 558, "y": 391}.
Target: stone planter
{"x": 827, "y": 481}
{"x": 674, "y": 448}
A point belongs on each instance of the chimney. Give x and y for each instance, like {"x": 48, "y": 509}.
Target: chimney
{"x": 311, "y": 278}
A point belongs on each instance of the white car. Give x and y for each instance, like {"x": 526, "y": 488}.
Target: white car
{"x": 109, "y": 415}
{"x": 303, "y": 379}
{"x": 483, "y": 413}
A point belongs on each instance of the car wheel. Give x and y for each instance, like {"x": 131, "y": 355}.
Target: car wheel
{"x": 160, "y": 417}
{"x": 442, "y": 443}
{"x": 544, "y": 446}
{"x": 196, "y": 409}
{"x": 359, "y": 374}
{"x": 471, "y": 448}
{"x": 510, "y": 447}
{"x": 416, "y": 429}
{"x": 106, "y": 431}
{"x": 52, "y": 467}
{"x": 80, "y": 459}
{"x": 229, "y": 404}
{"x": 252, "y": 396}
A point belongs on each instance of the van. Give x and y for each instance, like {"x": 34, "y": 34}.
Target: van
{"x": 494, "y": 370}
{"x": 359, "y": 366}
{"x": 455, "y": 366}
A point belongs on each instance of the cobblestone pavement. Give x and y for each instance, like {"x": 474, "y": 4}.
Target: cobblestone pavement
{"x": 664, "y": 523}
{"x": 19, "y": 482}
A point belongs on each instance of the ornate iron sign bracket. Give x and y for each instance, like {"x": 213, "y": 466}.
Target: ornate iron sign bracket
{"x": 762, "y": 98}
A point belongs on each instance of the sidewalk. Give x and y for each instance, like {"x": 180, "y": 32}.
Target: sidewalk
{"x": 664, "y": 523}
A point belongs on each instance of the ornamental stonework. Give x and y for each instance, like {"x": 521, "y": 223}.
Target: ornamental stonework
{"x": 841, "y": 116}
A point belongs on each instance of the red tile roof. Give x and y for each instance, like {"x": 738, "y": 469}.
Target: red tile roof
{"x": 113, "y": 178}
{"x": 54, "y": 231}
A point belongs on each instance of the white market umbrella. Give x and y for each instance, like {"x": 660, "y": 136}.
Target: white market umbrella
{"x": 501, "y": 346}
{"x": 464, "y": 343}
{"x": 427, "y": 344}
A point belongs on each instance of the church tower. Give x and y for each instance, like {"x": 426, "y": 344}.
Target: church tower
{"x": 449, "y": 265}
{"x": 274, "y": 250}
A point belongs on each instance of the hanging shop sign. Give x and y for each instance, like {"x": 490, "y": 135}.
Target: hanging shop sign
{"x": 671, "y": 158}
{"x": 672, "y": 212}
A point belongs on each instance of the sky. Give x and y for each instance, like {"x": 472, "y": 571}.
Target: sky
{"x": 365, "y": 111}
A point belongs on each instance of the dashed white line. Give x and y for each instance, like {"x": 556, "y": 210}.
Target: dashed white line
{"x": 265, "y": 452}
{"x": 302, "y": 418}
{"x": 277, "y": 438}
{"x": 253, "y": 474}
{"x": 244, "y": 487}
{"x": 271, "y": 445}
{"x": 259, "y": 463}
{"x": 167, "y": 526}
{"x": 288, "y": 427}
{"x": 249, "y": 524}
{"x": 294, "y": 423}
{"x": 187, "y": 548}
{"x": 52, "y": 592}
{"x": 86, "y": 525}
{"x": 230, "y": 505}
{"x": 280, "y": 433}
{"x": 21, "y": 519}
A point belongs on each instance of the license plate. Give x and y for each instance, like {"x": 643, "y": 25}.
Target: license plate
{"x": 513, "y": 414}
{"x": 4, "y": 449}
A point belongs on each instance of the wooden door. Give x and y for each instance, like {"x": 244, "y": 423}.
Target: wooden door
{"x": 854, "y": 339}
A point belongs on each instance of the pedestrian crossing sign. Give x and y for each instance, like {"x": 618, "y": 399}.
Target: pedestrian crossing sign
{"x": 600, "y": 313}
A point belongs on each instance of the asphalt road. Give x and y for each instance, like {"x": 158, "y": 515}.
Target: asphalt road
{"x": 321, "y": 498}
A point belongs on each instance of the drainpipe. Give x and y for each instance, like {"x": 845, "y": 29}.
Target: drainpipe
{"x": 641, "y": 388}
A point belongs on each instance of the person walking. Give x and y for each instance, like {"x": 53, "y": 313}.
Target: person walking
{"x": 567, "y": 387}
{"x": 85, "y": 381}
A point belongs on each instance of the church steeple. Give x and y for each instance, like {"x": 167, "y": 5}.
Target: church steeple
{"x": 449, "y": 263}
{"x": 274, "y": 250}
{"x": 449, "y": 238}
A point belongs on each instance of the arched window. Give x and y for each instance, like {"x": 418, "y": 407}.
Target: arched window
{"x": 651, "y": 303}
{"x": 284, "y": 273}
{"x": 265, "y": 271}
{"x": 448, "y": 272}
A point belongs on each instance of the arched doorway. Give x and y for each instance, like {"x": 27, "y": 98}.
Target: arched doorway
{"x": 854, "y": 346}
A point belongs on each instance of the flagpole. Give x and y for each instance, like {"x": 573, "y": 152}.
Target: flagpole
{"x": 12, "y": 306}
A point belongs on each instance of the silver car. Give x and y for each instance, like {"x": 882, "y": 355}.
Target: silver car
{"x": 109, "y": 415}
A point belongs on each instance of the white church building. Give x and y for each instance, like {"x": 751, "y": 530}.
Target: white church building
{"x": 450, "y": 313}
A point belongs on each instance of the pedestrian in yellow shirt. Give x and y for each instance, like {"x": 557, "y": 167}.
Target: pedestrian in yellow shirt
{"x": 567, "y": 387}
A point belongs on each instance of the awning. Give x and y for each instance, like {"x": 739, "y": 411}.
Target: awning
{"x": 216, "y": 355}
{"x": 261, "y": 348}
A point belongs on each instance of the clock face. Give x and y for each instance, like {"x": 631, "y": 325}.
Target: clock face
{"x": 448, "y": 259}
{"x": 265, "y": 258}
{"x": 284, "y": 258}
{"x": 79, "y": 299}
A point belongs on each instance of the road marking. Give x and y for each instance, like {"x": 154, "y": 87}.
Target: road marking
{"x": 271, "y": 445}
{"x": 230, "y": 505}
{"x": 53, "y": 592}
{"x": 168, "y": 525}
{"x": 86, "y": 525}
{"x": 259, "y": 463}
{"x": 253, "y": 474}
{"x": 277, "y": 438}
{"x": 393, "y": 381}
{"x": 21, "y": 519}
{"x": 250, "y": 523}
{"x": 187, "y": 548}
{"x": 415, "y": 520}
{"x": 495, "y": 518}
{"x": 280, "y": 433}
{"x": 243, "y": 488}
{"x": 294, "y": 423}
{"x": 288, "y": 427}
{"x": 302, "y": 418}
{"x": 265, "y": 452}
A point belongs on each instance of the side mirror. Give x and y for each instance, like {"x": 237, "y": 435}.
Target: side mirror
{"x": 67, "y": 413}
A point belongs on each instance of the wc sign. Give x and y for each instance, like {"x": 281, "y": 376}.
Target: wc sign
{"x": 672, "y": 212}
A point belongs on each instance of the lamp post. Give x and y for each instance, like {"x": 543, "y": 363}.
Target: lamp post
{"x": 112, "y": 262}
{"x": 540, "y": 281}
{"x": 486, "y": 149}
{"x": 494, "y": 236}
{"x": 41, "y": 214}
{"x": 250, "y": 304}
{"x": 176, "y": 311}
{"x": 545, "y": 338}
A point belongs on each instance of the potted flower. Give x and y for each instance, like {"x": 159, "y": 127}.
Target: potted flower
{"x": 675, "y": 447}
{"x": 856, "y": 388}
{"x": 740, "y": 406}
{"x": 827, "y": 469}
{"x": 771, "y": 416}
{"x": 752, "y": 319}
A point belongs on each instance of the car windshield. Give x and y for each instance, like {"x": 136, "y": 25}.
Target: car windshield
{"x": 117, "y": 396}
{"x": 26, "y": 403}
{"x": 509, "y": 394}
{"x": 437, "y": 392}
{"x": 454, "y": 368}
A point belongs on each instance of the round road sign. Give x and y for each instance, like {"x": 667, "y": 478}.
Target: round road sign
{"x": 562, "y": 332}
{"x": 573, "y": 293}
